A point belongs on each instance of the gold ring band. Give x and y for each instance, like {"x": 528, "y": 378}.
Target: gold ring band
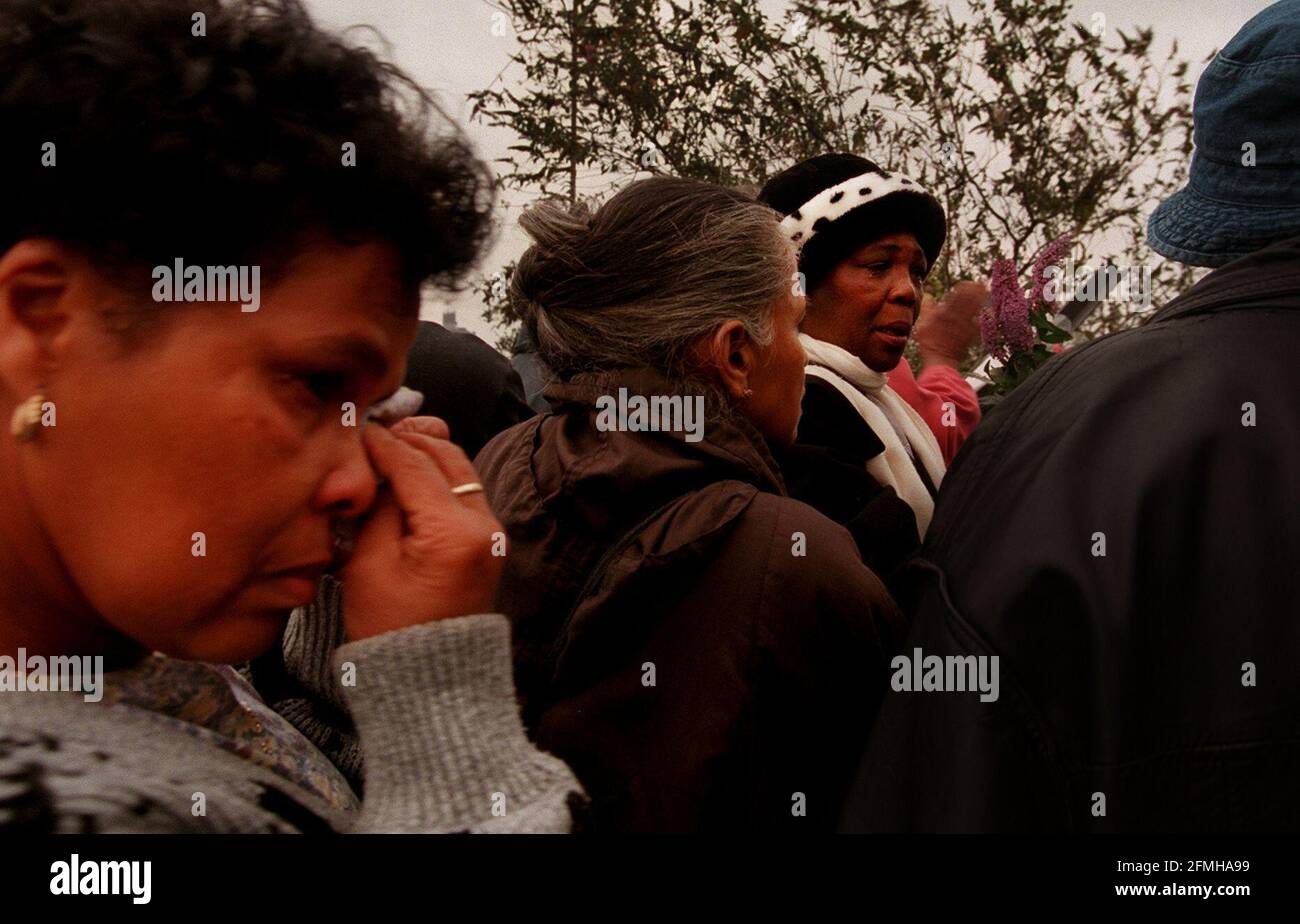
{"x": 472, "y": 488}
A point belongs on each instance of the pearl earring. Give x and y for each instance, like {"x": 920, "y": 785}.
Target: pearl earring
{"x": 26, "y": 422}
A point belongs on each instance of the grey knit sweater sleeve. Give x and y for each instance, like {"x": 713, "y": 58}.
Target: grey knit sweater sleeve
{"x": 423, "y": 721}
{"x": 444, "y": 745}
{"x": 434, "y": 708}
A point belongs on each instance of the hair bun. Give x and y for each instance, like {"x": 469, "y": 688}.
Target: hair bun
{"x": 560, "y": 233}
{"x": 663, "y": 262}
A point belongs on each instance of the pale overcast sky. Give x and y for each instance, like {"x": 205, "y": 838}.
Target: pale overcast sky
{"x": 455, "y": 47}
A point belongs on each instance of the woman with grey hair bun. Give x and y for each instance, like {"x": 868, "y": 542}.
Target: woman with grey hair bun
{"x": 703, "y": 650}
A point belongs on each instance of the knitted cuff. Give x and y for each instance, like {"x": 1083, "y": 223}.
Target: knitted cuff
{"x": 445, "y": 749}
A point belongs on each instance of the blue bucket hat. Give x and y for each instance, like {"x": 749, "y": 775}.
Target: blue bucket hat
{"x": 1243, "y": 190}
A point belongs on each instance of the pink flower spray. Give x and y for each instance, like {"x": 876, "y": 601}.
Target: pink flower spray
{"x": 1005, "y": 326}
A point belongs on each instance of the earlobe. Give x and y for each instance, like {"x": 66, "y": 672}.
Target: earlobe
{"x": 726, "y": 356}
{"x": 738, "y": 366}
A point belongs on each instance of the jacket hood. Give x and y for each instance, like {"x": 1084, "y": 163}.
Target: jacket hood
{"x": 577, "y": 459}
{"x": 603, "y": 515}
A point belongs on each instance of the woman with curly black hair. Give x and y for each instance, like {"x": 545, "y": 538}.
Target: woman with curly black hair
{"x": 179, "y": 460}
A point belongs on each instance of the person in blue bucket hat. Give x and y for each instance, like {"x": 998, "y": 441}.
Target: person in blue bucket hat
{"x": 1113, "y": 566}
{"x": 1243, "y": 192}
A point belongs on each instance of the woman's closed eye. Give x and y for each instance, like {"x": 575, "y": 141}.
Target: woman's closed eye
{"x": 321, "y": 385}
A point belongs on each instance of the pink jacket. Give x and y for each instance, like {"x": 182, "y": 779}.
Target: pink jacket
{"x": 937, "y": 386}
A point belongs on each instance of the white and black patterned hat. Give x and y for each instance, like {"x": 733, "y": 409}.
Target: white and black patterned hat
{"x": 835, "y": 203}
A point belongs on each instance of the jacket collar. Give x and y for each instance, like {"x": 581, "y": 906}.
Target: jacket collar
{"x": 730, "y": 447}
{"x": 1268, "y": 278}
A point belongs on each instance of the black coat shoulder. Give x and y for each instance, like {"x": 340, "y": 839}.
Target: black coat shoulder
{"x": 465, "y": 382}
{"x": 830, "y": 421}
{"x": 1119, "y": 535}
{"x": 826, "y": 469}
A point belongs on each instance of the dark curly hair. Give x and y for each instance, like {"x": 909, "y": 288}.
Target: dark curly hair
{"x": 226, "y": 147}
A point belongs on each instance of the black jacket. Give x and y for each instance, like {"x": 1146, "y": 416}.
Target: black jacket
{"x": 826, "y": 469}
{"x": 465, "y": 382}
{"x": 1124, "y": 676}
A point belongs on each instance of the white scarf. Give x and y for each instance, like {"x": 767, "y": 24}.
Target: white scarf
{"x": 908, "y": 440}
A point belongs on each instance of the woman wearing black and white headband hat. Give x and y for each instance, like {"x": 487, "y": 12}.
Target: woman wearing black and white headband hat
{"x": 867, "y": 239}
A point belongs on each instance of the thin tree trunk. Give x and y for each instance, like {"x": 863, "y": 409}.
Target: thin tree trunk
{"x": 573, "y": 103}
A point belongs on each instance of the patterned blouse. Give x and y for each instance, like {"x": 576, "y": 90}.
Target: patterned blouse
{"x": 215, "y": 703}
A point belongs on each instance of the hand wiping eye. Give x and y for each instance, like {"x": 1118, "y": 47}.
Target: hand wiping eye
{"x": 401, "y": 404}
